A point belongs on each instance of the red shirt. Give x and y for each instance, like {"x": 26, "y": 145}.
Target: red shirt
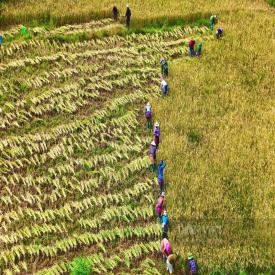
{"x": 192, "y": 42}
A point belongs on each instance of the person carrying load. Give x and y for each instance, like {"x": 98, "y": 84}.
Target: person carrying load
{"x": 161, "y": 167}
{"x": 164, "y": 68}
{"x": 157, "y": 134}
{"x": 148, "y": 115}
{"x": 159, "y": 205}
{"x": 213, "y": 21}
{"x": 153, "y": 156}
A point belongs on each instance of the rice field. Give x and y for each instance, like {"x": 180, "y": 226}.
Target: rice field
{"x": 74, "y": 163}
{"x": 74, "y": 166}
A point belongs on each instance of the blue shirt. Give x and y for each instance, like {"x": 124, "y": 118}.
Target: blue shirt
{"x": 164, "y": 219}
{"x": 160, "y": 170}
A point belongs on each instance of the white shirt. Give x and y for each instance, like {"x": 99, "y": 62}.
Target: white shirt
{"x": 148, "y": 108}
{"x": 163, "y": 83}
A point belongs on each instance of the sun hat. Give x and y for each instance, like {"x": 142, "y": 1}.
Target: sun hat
{"x": 148, "y": 104}
{"x": 165, "y": 213}
{"x": 157, "y": 124}
{"x": 153, "y": 143}
{"x": 162, "y": 194}
{"x": 190, "y": 256}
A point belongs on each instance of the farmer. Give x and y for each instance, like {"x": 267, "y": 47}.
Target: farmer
{"x": 148, "y": 114}
{"x": 165, "y": 248}
{"x": 198, "y": 53}
{"x": 192, "y": 265}
{"x": 164, "y": 87}
{"x": 164, "y": 68}
{"x": 161, "y": 167}
{"x": 171, "y": 262}
{"x": 159, "y": 204}
{"x": 219, "y": 33}
{"x": 128, "y": 16}
{"x": 153, "y": 156}
{"x": 1, "y": 39}
{"x": 164, "y": 223}
{"x": 213, "y": 21}
{"x": 157, "y": 134}
{"x": 115, "y": 13}
{"x": 191, "y": 44}
{"x": 24, "y": 31}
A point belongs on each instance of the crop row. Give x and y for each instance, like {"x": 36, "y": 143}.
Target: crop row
{"x": 52, "y": 45}
{"x": 65, "y": 171}
{"x": 121, "y": 213}
{"x": 34, "y": 141}
{"x": 63, "y": 29}
{"x": 68, "y": 98}
{"x": 69, "y": 208}
{"x": 85, "y": 139}
{"x": 21, "y": 252}
{"x": 35, "y": 197}
{"x": 102, "y": 264}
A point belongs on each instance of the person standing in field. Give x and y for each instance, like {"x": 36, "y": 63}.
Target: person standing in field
{"x": 153, "y": 156}
{"x": 164, "y": 87}
{"x": 192, "y": 265}
{"x": 213, "y": 21}
{"x": 191, "y": 44}
{"x": 164, "y": 68}
{"x": 198, "y": 53}
{"x": 128, "y": 15}
{"x": 115, "y": 13}
{"x": 159, "y": 205}
{"x": 1, "y": 39}
{"x": 157, "y": 134}
{"x": 219, "y": 33}
{"x": 148, "y": 115}
{"x": 161, "y": 167}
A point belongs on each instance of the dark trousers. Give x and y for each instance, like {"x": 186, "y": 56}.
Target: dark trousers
{"x": 191, "y": 50}
{"x": 128, "y": 19}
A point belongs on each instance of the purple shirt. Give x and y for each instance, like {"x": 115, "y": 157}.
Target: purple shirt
{"x": 153, "y": 150}
{"x": 157, "y": 131}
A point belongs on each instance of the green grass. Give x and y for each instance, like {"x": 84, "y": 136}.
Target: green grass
{"x": 81, "y": 266}
{"x": 271, "y": 3}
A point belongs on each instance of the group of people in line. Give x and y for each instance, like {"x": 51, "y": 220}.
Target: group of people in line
{"x": 169, "y": 257}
